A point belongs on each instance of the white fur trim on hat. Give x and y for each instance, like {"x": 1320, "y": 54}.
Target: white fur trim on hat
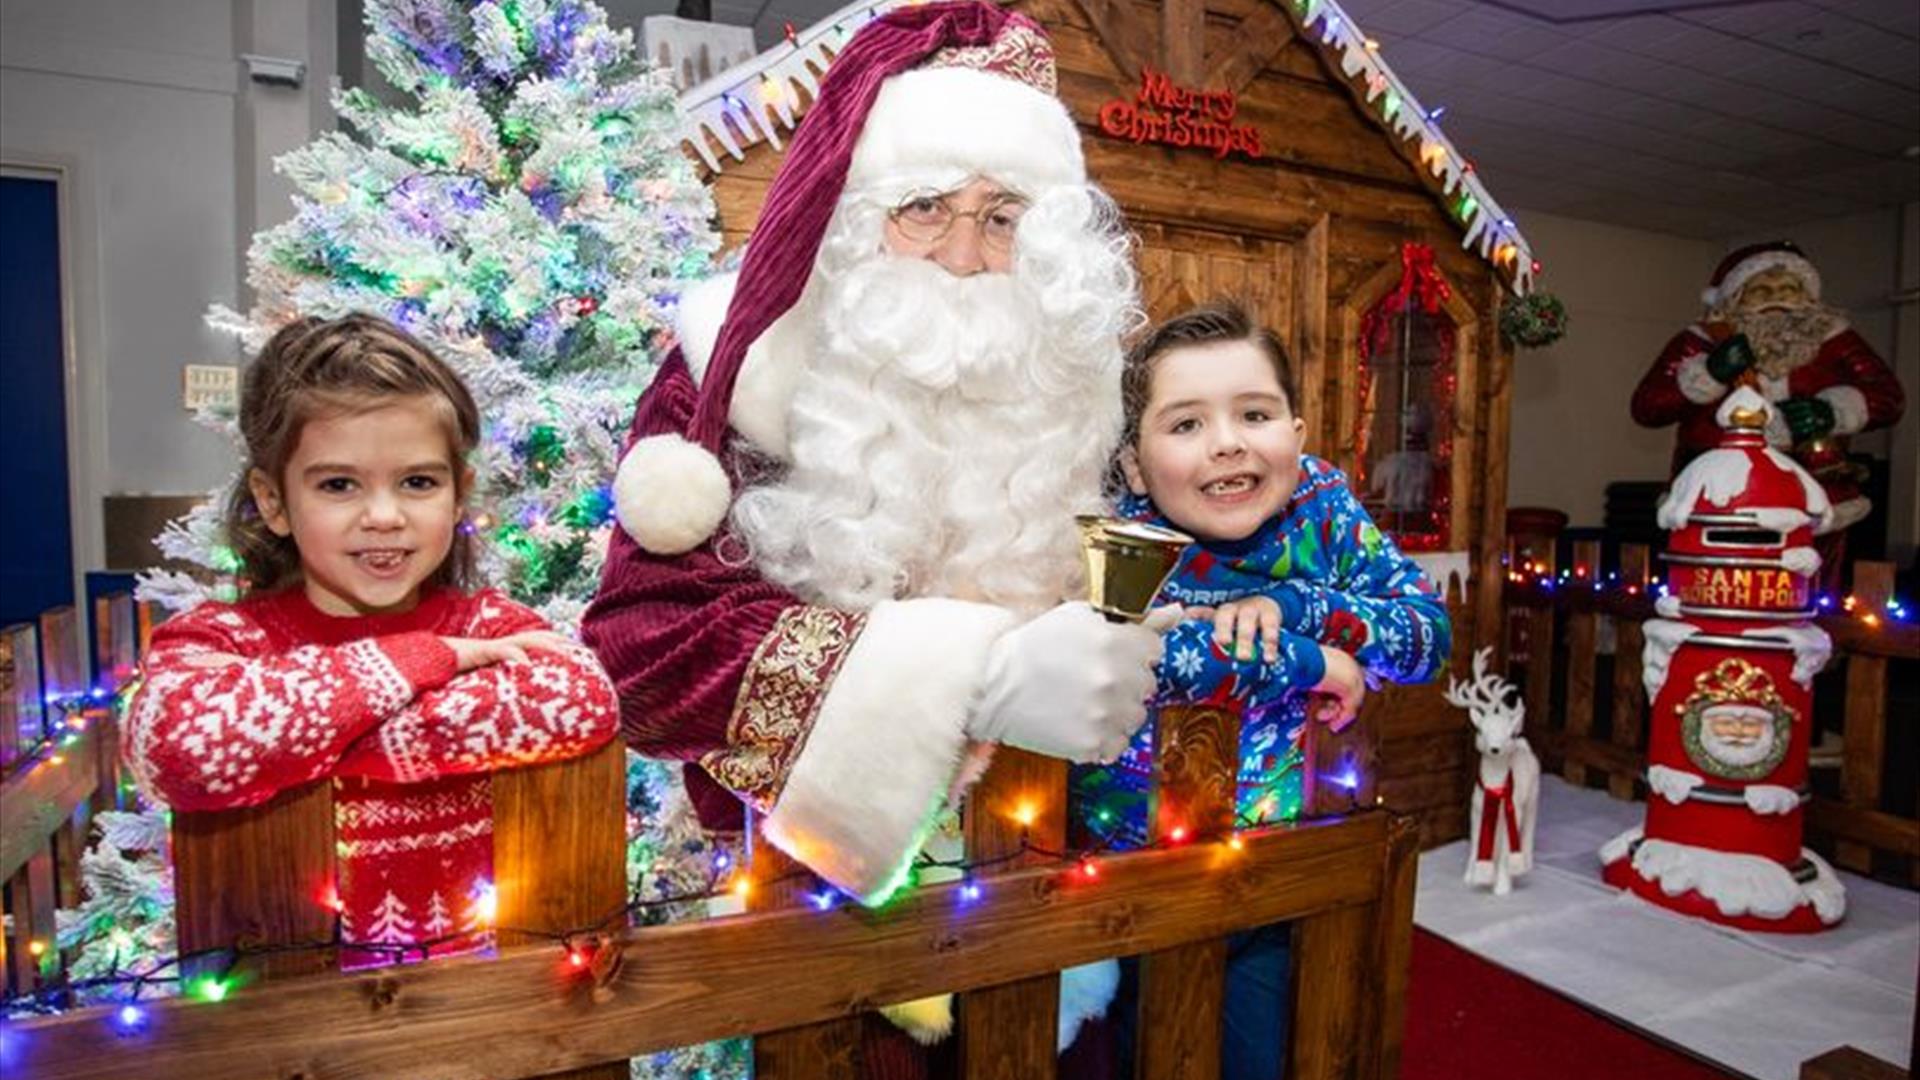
{"x": 1849, "y": 407}
{"x": 670, "y": 494}
{"x": 768, "y": 376}
{"x": 937, "y": 127}
{"x": 1720, "y": 296}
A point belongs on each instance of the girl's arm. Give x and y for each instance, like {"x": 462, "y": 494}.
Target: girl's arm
{"x": 556, "y": 704}
{"x": 220, "y": 722}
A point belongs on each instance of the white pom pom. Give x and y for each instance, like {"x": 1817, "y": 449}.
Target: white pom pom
{"x": 670, "y": 495}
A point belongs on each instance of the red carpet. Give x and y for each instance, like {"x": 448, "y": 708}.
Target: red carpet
{"x": 1467, "y": 1018}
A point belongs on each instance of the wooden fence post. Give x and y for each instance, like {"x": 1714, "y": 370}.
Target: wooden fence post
{"x": 1196, "y": 757}
{"x": 64, "y": 658}
{"x": 1629, "y": 695}
{"x": 1538, "y": 689}
{"x": 1866, "y": 719}
{"x": 1008, "y": 1032}
{"x": 1582, "y": 645}
{"x": 831, "y": 1047}
{"x": 1349, "y": 975}
{"x": 257, "y": 876}
{"x": 828, "y": 1048}
{"x": 559, "y": 854}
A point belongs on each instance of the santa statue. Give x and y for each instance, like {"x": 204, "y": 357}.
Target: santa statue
{"x": 849, "y": 564}
{"x": 1765, "y": 322}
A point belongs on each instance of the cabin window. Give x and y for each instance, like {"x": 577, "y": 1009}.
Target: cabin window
{"x": 1404, "y": 441}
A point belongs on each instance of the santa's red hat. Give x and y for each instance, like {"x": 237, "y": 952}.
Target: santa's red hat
{"x": 1739, "y": 266}
{"x": 923, "y": 97}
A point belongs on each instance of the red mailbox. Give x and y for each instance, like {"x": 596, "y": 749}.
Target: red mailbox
{"x": 1729, "y": 666}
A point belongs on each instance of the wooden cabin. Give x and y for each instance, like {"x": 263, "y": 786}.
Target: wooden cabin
{"x": 1310, "y": 169}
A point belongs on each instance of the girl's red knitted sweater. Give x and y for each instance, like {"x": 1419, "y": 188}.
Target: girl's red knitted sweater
{"x": 242, "y": 701}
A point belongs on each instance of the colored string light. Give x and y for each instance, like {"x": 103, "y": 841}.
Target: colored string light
{"x": 130, "y": 1016}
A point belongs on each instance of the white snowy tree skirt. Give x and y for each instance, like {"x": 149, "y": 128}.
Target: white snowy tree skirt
{"x": 1759, "y": 1004}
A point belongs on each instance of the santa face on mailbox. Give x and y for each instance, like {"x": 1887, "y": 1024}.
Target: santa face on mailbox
{"x": 1735, "y": 727}
{"x": 1729, "y": 666}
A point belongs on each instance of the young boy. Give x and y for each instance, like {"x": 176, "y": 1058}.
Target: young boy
{"x": 1293, "y": 597}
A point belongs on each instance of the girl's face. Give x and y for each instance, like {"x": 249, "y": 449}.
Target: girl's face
{"x": 371, "y": 499}
{"x": 1219, "y": 446}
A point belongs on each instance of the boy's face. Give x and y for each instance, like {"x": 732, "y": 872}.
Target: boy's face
{"x": 1219, "y": 447}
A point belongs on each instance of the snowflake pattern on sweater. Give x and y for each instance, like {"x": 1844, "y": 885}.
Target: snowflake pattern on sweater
{"x": 1339, "y": 581}
{"x": 243, "y": 701}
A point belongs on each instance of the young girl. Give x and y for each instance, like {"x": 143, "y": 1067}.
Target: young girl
{"x": 1292, "y": 596}
{"x": 356, "y": 651}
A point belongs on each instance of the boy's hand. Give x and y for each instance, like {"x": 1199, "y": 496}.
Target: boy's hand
{"x": 1343, "y": 688}
{"x": 471, "y": 653}
{"x": 1239, "y": 626}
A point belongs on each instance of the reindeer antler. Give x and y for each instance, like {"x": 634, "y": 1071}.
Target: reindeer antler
{"x": 1486, "y": 693}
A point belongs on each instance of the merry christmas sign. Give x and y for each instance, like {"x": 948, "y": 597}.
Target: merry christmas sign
{"x": 1162, "y": 111}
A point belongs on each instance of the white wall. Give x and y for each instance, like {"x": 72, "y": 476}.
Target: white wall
{"x": 163, "y": 142}
{"x": 1864, "y": 259}
{"x": 1627, "y": 291}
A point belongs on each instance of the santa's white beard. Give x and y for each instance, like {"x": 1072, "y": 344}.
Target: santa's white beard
{"x": 944, "y": 436}
{"x": 1783, "y": 340}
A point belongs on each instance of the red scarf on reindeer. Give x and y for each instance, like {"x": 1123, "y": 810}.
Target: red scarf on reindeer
{"x": 1496, "y": 803}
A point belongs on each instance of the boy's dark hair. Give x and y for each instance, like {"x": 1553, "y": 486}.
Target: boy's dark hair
{"x": 1219, "y": 321}
{"x": 314, "y": 368}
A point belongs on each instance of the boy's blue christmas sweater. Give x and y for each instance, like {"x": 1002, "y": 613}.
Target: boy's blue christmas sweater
{"x": 1339, "y": 581}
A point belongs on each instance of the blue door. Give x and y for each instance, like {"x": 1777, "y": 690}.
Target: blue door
{"x": 36, "y": 538}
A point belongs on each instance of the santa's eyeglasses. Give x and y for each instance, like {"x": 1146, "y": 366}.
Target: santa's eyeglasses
{"x": 927, "y": 217}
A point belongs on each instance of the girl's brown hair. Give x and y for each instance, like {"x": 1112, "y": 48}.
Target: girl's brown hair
{"x": 1216, "y": 322}
{"x": 314, "y": 368}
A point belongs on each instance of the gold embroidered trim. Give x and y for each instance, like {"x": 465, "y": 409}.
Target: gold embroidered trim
{"x": 779, "y": 700}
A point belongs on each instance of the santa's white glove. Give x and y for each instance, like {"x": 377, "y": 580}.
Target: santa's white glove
{"x": 1070, "y": 684}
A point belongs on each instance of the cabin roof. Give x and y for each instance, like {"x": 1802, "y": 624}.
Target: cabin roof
{"x": 760, "y": 96}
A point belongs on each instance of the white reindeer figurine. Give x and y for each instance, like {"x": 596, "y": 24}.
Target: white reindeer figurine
{"x": 1506, "y": 795}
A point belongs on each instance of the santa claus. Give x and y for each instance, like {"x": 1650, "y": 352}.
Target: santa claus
{"x": 849, "y": 562}
{"x": 1765, "y": 323}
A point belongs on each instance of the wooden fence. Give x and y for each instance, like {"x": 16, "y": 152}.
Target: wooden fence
{"x": 1565, "y": 626}
{"x": 799, "y": 978}
{"x": 59, "y": 766}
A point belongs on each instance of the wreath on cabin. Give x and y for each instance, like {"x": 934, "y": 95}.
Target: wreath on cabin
{"x": 1533, "y": 321}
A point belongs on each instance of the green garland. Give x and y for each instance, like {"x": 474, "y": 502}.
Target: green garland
{"x": 1534, "y": 321}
